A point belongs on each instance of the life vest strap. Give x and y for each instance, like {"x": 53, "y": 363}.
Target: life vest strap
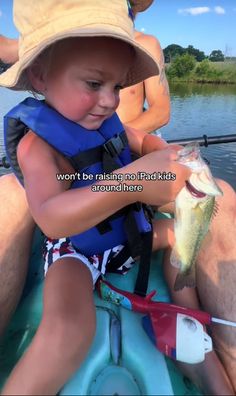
{"x": 111, "y": 149}
{"x": 141, "y": 284}
{"x": 104, "y": 225}
{"x": 115, "y": 145}
{"x": 133, "y": 235}
{"x": 138, "y": 245}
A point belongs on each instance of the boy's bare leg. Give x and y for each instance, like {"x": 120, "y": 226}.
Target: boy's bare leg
{"x": 64, "y": 335}
{"x": 16, "y": 230}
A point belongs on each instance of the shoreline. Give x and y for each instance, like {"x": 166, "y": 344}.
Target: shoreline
{"x": 186, "y": 70}
{"x": 199, "y": 81}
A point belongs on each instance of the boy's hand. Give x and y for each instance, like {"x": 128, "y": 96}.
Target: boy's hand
{"x": 152, "y": 143}
{"x": 160, "y": 176}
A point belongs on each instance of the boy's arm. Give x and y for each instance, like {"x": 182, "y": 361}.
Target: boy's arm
{"x": 57, "y": 210}
{"x": 142, "y": 143}
{"x": 61, "y": 212}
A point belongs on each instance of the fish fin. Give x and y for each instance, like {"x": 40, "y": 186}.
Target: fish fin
{"x": 175, "y": 258}
{"x": 215, "y": 209}
{"x": 185, "y": 279}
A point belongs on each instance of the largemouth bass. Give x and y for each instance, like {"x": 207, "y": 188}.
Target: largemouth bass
{"x": 194, "y": 208}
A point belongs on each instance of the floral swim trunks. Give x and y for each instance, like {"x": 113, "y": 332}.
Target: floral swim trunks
{"x": 117, "y": 259}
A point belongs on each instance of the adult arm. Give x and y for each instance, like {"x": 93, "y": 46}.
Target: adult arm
{"x": 8, "y": 49}
{"x": 156, "y": 92}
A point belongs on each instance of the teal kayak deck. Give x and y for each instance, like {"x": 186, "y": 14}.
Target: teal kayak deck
{"x": 122, "y": 359}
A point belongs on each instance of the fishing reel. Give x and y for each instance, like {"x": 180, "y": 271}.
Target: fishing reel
{"x": 178, "y": 336}
{"x": 176, "y": 331}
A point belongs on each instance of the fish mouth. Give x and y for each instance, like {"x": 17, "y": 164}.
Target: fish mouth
{"x": 194, "y": 192}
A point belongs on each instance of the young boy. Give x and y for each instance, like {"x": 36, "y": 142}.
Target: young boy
{"x": 78, "y": 55}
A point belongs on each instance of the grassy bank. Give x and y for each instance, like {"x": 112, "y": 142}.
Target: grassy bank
{"x": 202, "y": 72}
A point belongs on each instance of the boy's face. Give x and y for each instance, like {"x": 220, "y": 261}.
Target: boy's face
{"x": 84, "y": 78}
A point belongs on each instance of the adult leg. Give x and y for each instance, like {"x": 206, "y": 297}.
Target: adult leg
{"x": 210, "y": 376}
{"x": 216, "y": 278}
{"x": 64, "y": 335}
{"x": 16, "y": 230}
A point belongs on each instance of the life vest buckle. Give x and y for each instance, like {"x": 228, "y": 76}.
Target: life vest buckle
{"x": 114, "y": 146}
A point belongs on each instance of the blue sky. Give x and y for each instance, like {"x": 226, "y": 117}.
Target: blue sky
{"x": 205, "y": 24}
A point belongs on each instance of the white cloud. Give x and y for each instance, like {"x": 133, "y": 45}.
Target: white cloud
{"x": 143, "y": 29}
{"x": 219, "y": 10}
{"x": 194, "y": 11}
{"x": 201, "y": 10}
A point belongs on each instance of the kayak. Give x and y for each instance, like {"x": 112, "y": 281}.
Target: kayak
{"x": 122, "y": 359}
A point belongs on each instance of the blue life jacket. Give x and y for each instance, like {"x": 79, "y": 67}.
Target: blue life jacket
{"x": 91, "y": 152}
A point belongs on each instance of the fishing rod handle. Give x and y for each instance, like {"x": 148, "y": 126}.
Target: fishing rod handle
{"x": 203, "y": 317}
{"x": 206, "y": 140}
{"x": 136, "y": 303}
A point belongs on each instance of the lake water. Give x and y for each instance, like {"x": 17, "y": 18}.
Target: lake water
{"x": 196, "y": 110}
{"x": 199, "y": 109}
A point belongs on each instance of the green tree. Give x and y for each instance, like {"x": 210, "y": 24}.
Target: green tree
{"x": 171, "y": 51}
{"x": 203, "y": 68}
{"x": 182, "y": 66}
{"x": 198, "y": 55}
{"x": 216, "y": 56}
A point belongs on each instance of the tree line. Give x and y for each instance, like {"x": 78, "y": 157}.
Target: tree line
{"x": 173, "y": 50}
{"x": 191, "y": 64}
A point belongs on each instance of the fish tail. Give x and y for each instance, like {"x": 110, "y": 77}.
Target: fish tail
{"x": 185, "y": 279}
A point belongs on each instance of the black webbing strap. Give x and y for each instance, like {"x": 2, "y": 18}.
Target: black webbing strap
{"x": 103, "y": 227}
{"x": 109, "y": 162}
{"x": 111, "y": 149}
{"x": 116, "y": 144}
{"x": 138, "y": 245}
{"x": 133, "y": 235}
{"x": 141, "y": 284}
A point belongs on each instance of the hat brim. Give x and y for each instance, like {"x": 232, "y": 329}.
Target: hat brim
{"x": 144, "y": 65}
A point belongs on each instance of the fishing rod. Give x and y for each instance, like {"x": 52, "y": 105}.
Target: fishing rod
{"x": 178, "y": 332}
{"x": 206, "y": 140}
{"x": 203, "y": 141}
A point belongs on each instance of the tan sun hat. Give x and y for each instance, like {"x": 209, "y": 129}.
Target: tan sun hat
{"x": 43, "y": 22}
{"x": 140, "y": 5}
